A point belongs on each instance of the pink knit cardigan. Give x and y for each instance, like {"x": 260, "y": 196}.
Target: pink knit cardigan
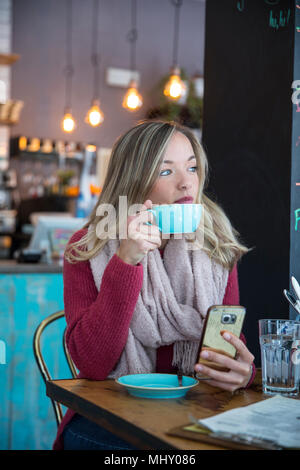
{"x": 106, "y": 314}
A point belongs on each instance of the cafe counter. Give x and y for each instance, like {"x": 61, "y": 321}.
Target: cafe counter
{"x": 28, "y": 294}
{"x": 12, "y": 267}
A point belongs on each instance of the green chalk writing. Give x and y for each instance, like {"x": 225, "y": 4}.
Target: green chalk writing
{"x": 281, "y": 21}
{"x": 297, "y": 218}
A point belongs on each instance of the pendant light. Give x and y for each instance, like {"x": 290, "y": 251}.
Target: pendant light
{"x": 95, "y": 116}
{"x": 68, "y": 122}
{"x": 175, "y": 88}
{"x": 132, "y": 100}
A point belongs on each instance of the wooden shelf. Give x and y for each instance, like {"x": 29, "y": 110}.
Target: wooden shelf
{"x": 7, "y": 122}
{"x": 8, "y": 59}
{"x": 10, "y": 112}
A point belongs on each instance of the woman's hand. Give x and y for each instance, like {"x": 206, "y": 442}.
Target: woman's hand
{"x": 240, "y": 369}
{"x": 141, "y": 238}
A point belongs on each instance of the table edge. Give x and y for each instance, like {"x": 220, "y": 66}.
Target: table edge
{"x": 107, "y": 419}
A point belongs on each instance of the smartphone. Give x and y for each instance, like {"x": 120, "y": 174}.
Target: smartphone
{"x": 218, "y": 319}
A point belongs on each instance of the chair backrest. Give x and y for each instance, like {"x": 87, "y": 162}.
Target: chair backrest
{"x": 40, "y": 360}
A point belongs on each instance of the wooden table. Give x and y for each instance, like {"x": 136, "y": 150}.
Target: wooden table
{"x": 146, "y": 422}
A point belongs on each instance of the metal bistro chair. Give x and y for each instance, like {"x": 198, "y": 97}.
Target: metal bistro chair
{"x": 40, "y": 360}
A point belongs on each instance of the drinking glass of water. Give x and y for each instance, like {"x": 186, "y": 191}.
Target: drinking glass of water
{"x": 280, "y": 356}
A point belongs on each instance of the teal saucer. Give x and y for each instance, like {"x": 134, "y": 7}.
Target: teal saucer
{"x": 156, "y": 385}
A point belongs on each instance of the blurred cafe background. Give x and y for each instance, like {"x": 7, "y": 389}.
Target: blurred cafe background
{"x": 76, "y": 74}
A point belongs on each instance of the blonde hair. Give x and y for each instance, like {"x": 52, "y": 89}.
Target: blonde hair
{"x": 133, "y": 169}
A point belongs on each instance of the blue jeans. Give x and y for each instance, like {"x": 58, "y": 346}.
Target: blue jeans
{"x": 82, "y": 434}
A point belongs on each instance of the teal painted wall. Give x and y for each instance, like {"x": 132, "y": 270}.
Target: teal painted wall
{"x": 27, "y": 420}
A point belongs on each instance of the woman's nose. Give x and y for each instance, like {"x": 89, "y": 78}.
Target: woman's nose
{"x": 184, "y": 183}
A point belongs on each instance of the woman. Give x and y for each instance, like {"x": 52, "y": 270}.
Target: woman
{"x": 134, "y": 301}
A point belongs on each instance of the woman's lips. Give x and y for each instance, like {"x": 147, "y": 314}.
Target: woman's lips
{"x": 184, "y": 200}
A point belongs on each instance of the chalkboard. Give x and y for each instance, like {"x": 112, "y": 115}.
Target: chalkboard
{"x": 247, "y": 127}
{"x": 295, "y": 179}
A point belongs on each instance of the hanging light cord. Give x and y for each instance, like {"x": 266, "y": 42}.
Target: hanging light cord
{"x": 132, "y": 36}
{"x": 177, "y": 4}
{"x": 69, "y": 70}
{"x": 95, "y": 57}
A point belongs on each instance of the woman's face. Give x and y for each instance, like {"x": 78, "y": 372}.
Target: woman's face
{"x": 178, "y": 176}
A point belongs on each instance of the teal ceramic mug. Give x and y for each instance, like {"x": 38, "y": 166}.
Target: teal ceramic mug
{"x": 177, "y": 218}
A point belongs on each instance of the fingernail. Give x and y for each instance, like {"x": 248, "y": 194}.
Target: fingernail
{"x": 204, "y": 354}
{"x": 198, "y": 368}
{"x": 226, "y": 336}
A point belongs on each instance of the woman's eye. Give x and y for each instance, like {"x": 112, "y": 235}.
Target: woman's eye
{"x": 192, "y": 169}
{"x": 162, "y": 172}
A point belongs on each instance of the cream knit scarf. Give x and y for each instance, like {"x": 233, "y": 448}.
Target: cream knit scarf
{"x": 176, "y": 293}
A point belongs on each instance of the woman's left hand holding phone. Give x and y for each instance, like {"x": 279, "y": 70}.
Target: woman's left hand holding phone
{"x": 141, "y": 238}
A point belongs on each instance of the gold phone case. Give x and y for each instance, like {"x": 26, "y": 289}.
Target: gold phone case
{"x": 214, "y": 324}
